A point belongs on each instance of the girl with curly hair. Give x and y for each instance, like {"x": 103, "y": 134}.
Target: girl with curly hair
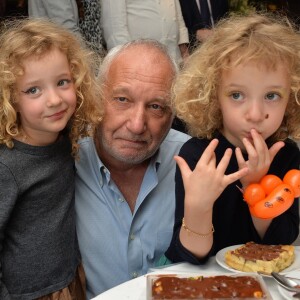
{"x": 48, "y": 95}
{"x": 239, "y": 92}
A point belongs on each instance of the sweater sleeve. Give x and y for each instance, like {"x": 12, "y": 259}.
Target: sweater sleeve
{"x": 8, "y": 197}
{"x": 176, "y": 251}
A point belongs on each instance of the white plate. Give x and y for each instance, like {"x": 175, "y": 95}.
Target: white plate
{"x": 220, "y": 258}
{"x": 285, "y": 293}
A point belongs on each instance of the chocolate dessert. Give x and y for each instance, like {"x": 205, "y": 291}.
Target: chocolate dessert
{"x": 210, "y": 287}
{"x": 253, "y": 257}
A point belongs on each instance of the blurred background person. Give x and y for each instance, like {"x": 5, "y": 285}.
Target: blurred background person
{"x": 127, "y": 20}
{"x": 200, "y": 16}
{"x": 2, "y": 8}
{"x": 90, "y": 25}
{"x": 13, "y": 9}
{"x": 293, "y": 11}
{"x": 63, "y": 12}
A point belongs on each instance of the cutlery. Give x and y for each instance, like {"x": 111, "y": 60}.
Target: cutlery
{"x": 286, "y": 283}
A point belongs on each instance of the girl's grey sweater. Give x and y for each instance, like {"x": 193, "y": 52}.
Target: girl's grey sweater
{"x": 39, "y": 252}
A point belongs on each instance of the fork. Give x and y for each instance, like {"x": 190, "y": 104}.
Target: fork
{"x": 286, "y": 283}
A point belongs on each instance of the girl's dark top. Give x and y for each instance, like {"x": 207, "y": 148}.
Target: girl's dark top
{"x": 39, "y": 252}
{"x": 231, "y": 217}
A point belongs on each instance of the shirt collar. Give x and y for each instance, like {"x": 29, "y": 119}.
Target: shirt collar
{"x": 105, "y": 173}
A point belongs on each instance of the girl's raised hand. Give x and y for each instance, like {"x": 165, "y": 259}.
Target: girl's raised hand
{"x": 259, "y": 157}
{"x": 208, "y": 180}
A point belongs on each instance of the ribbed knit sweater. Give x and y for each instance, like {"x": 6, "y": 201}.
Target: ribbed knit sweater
{"x": 38, "y": 246}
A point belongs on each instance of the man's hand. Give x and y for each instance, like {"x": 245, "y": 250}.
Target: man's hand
{"x": 184, "y": 50}
{"x": 203, "y": 34}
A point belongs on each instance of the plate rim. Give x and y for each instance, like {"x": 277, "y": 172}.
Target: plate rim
{"x": 220, "y": 259}
{"x": 285, "y": 293}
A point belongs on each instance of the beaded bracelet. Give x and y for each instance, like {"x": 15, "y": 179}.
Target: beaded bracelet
{"x": 196, "y": 233}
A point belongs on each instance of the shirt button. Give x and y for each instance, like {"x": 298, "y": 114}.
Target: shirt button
{"x": 134, "y": 275}
{"x": 132, "y": 237}
{"x": 121, "y": 199}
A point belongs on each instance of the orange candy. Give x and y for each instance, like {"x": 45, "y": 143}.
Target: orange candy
{"x": 280, "y": 200}
{"x": 292, "y": 178}
{"x": 270, "y": 182}
{"x": 254, "y": 193}
{"x": 272, "y": 196}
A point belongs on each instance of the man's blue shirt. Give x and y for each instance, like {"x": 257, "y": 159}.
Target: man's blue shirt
{"x": 116, "y": 244}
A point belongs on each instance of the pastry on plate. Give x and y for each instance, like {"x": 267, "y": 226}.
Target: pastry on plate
{"x": 253, "y": 257}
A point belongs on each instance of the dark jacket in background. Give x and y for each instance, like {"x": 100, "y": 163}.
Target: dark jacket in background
{"x": 192, "y": 17}
{"x": 293, "y": 9}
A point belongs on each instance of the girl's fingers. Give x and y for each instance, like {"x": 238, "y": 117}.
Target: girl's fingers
{"x": 258, "y": 141}
{"x": 223, "y": 164}
{"x": 253, "y": 157}
{"x": 275, "y": 149}
{"x": 183, "y": 166}
{"x": 212, "y": 162}
{"x": 209, "y": 153}
{"x": 236, "y": 175}
{"x": 249, "y": 148}
{"x": 260, "y": 146}
{"x": 257, "y": 150}
{"x": 240, "y": 158}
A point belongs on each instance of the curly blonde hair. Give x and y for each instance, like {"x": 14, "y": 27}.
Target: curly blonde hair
{"x": 24, "y": 38}
{"x": 261, "y": 38}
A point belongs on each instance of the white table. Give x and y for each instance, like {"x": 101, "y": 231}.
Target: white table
{"x": 136, "y": 289}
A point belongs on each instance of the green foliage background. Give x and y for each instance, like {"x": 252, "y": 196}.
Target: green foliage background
{"x": 246, "y": 6}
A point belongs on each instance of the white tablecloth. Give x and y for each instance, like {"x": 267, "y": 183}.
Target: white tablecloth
{"x": 136, "y": 289}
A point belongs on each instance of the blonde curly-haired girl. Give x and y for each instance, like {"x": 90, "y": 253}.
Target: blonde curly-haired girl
{"x": 239, "y": 92}
{"x": 48, "y": 95}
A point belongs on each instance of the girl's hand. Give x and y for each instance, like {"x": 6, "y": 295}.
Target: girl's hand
{"x": 205, "y": 184}
{"x": 259, "y": 158}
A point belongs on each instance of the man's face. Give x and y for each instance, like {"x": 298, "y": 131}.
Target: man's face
{"x": 137, "y": 109}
